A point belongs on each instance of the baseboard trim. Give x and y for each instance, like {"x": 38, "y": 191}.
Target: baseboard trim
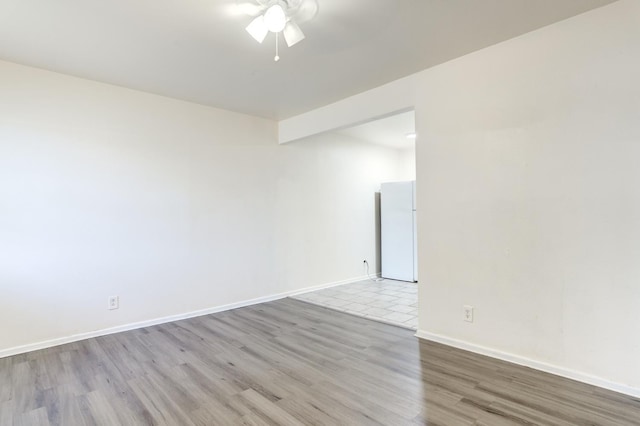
{"x": 531, "y": 363}
{"x": 329, "y": 285}
{"x": 148, "y": 323}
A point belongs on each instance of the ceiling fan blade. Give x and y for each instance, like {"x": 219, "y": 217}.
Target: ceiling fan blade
{"x": 292, "y": 33}
{"x": 258, "y": 29}
{"x": 305, "y": 11}
{"x": 251, "y": 7}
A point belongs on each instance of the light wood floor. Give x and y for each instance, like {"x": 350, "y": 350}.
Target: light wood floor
{"x": 288, "y": 363}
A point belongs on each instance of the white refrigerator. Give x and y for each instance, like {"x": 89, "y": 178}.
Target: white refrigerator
{"x": 398, "y": 236}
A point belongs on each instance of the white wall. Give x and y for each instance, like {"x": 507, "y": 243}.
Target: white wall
{"x": 396, "y": 96}
{"x": 174, "y": 207}
{"x": 408, "y": 160}
{"x": 530, "y": 174}
{"x": 528, "y": 195}
{"x": 327, "y": 206}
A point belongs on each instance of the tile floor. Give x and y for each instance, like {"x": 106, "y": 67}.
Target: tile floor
{"x": 393, "y": 302}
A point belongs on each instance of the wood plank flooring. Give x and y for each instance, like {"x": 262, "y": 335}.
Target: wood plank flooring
{"x": 288, "y": 363}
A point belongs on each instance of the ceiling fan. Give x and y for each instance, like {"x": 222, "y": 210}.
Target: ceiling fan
{"x": 278, "y": 16}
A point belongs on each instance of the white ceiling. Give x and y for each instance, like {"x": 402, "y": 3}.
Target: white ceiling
{"x": 390, "y": 131}
{"x": 197, "y": 50}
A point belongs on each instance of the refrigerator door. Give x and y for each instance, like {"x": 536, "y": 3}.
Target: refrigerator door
{"x": 397, "y": 230}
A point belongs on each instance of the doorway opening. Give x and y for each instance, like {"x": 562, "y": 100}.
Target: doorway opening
{"x": 387, "y": 289}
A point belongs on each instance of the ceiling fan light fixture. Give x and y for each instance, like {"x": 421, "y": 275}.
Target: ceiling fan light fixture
{"x": 292, "y": 33}
{"x": 278, "y": 16}
{"x": 275, "y": 19}
{"x": 258, "y": 29}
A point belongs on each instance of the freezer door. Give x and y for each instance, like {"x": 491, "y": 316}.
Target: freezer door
{"x": 397, "y": 230}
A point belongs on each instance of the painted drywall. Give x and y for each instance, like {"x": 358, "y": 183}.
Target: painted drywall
{"x": 172, "y": 206}
{"x": 327, "y": 206}
{"x": 531, "y": 178}
{"x": 389, "y": 99}
{"x": 408, "y": 163}
{"x": 528, "y": 195}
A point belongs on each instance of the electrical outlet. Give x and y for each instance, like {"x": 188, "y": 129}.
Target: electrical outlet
{"x": 467, "y": 312}
{"x": 114, "y": 302}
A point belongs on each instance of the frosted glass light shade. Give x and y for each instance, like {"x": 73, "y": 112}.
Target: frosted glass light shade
{"x": 258, "y": 29}
{"x": 275, "y": 19}
{"x": 292, "y": 33}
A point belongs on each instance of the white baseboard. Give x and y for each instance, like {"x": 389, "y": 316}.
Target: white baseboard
{"x": 132, "y": 326}
{"x": 531, "y": 363}
{"x": 329, "y": 285}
